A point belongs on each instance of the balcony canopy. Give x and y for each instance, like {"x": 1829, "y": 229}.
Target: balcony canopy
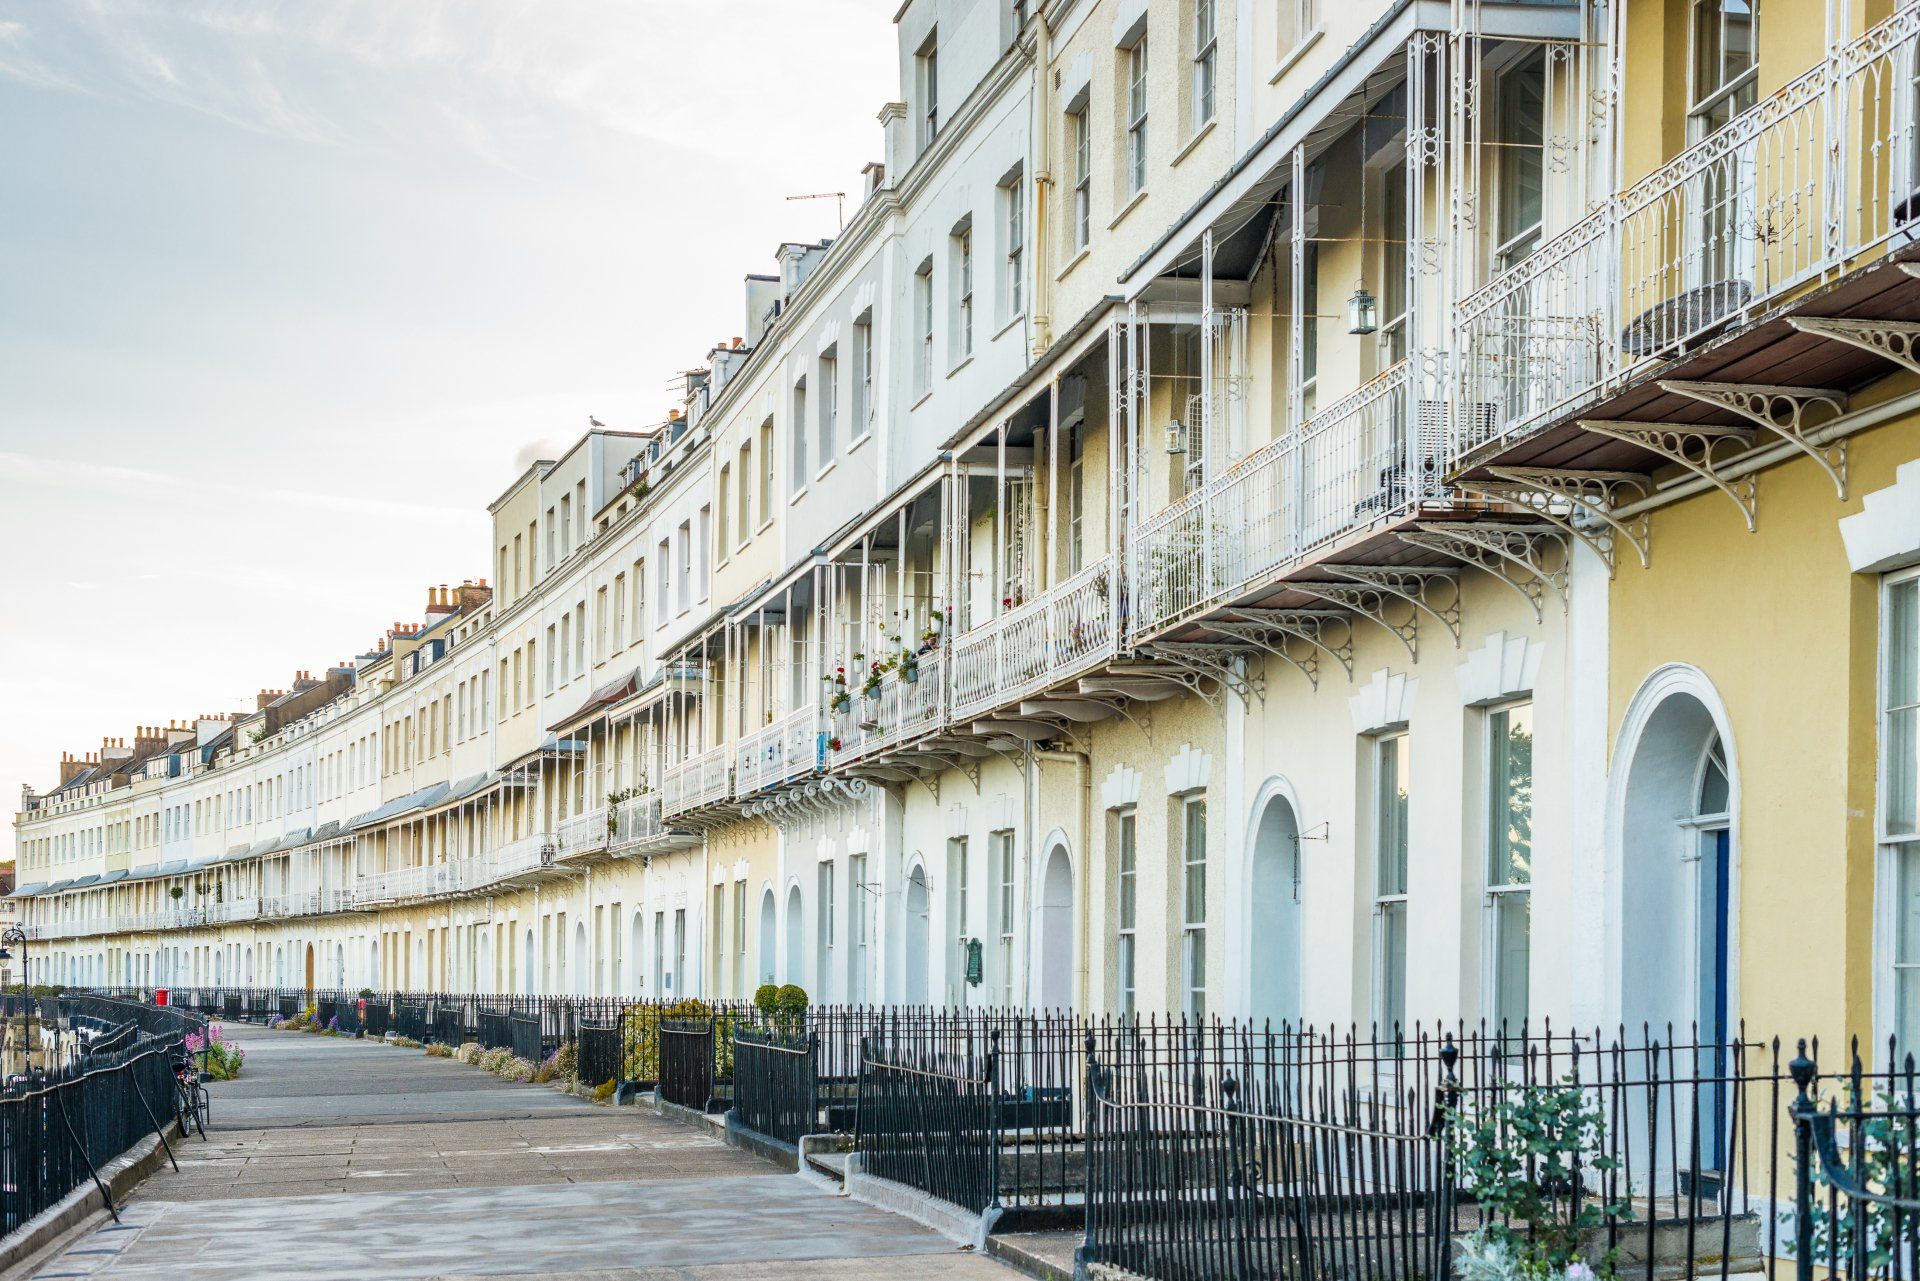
{"x": 425, "y": 798}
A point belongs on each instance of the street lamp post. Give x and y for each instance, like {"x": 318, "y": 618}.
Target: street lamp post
{"x": 14, "y": 936}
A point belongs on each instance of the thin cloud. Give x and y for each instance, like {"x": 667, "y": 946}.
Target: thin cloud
{"x": 97, "y": 479}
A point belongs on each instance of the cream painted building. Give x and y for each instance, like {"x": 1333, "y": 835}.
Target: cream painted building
{"x": 1135, "y": 566}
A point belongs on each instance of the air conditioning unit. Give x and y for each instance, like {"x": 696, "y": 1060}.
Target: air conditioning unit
{"x": 1433, "y": 420}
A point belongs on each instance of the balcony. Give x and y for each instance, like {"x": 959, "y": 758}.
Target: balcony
{"x": 423, "y": 881}
{"x": 787, "y": 749}
{"x": 583, "y": 834}
{"x": 1347, "y": 469}
{"x": 699, "y": 780}
{"x": 635, "y": 821}
{"x": 1811, "y": 182}
{"x": 1032, "y": 647}
{"x": 907, "y": 704}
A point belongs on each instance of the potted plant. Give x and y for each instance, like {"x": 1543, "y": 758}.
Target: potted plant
{"x": 176, "y": 892}
{"x": 876, "y": 674}
{"x": 910, "y": 668}
{"x": 838, "y": 697}
{"x": 930, "y": 635}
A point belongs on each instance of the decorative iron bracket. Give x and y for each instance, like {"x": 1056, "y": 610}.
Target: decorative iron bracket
{"x": 1199, "y": 662}
{"x": 1501, "y": 548}
{"x": 1371, "y": 589}
{"x": 1272, "y": 630}
{"x": 1896, "y": 340}
{"x": 1554, "y": 495}
{"x": 1782, "y": 411}
{"x": 1693, "y": 446}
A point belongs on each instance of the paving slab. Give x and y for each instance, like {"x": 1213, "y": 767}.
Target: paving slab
{"x": 407, "y": 1166}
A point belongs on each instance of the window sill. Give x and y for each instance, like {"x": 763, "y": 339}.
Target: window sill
{"x": 960, "y": 364}
{"x": 1139, "y": 198}
{"x": 765, "y": 525}
{"x": 826, "y": 471}
{"x": 796, "y": 495}
{"x": 1012, "y": 321}
{"x": 1199, "y": 137}
{"x": 860, "y": 441}
{"x": 925, "y": 396}
{"x": 1078, "y": 258}
{"x": 1294, "y": 55}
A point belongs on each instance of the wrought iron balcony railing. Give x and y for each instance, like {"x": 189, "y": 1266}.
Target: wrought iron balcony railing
{"x": 1812, "y": 180}
{"x": 777, "y": 753}
{"x": 1347, "y": 468}
{"x": 908, "y": 703}
{"x": 697, "y": 781}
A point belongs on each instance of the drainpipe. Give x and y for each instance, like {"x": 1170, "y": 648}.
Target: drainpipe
{"x": 1041, "y": 336}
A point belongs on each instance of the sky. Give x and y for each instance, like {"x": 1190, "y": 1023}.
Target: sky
{"x": 289, "y": 292}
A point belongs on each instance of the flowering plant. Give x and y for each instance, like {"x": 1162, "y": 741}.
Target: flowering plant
{"x": 222, "y": 1057}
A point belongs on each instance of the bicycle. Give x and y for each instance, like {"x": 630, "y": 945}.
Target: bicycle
{"x": 192, "y": 1102}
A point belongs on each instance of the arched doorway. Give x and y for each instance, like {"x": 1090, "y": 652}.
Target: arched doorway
{"x": 279, "y": 965}
{"x": 769, "y": 929}
{"x": 1676, "y": 830}
{"x": 373, "y": 963}
{"x": 527, "y": 970}
{"x": 582, "y": 978}
{"x": 340, "y": 965}
{"x": 309, "y": 970}
{"x": 919, "y": 937}
{"x": 247, "y": 961}
{"x": 796, "y": 938}
{"x": 1273, "y": 904}
{"x": 1056, "y": 930}
{"x": 1677, "y": 865}
{"x": 483, "y": 978}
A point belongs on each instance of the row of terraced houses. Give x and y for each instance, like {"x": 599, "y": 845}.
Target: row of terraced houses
{"x": 1384, "y": 513}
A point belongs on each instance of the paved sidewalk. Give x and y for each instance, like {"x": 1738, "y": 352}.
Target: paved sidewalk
{"x": 332, "y": 1158}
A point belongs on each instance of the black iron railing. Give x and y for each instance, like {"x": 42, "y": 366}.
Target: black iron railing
{"x": 931, "y": 1119}
{"x": 59, "y": 1129}
{"x": 600, "y": 1058}
{"x": 775, "y": 1085}
{"x": 687, "y": 1062}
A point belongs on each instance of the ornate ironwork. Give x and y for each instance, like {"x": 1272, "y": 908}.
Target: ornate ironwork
{"x": 1782, "y": 411}
{"x": 1696, "y": 447}
{"x": 1555, "y": 495}
{"x": 1501, "y": 548}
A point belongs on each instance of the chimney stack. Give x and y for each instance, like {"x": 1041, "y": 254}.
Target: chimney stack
{"x": 440, "y": 602}
{"x": 69, "y": 767}
{"x": 473, "y": 597}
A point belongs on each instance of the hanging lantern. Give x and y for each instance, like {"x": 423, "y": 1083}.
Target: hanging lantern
{"x": 1363, "y": 312}
{"x": 1176, "y": 437}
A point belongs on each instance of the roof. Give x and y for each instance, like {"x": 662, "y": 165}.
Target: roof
{"x": 422, "y": 799}
{"x": 553, "y": 746}
{"x": 611, "y": 694}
